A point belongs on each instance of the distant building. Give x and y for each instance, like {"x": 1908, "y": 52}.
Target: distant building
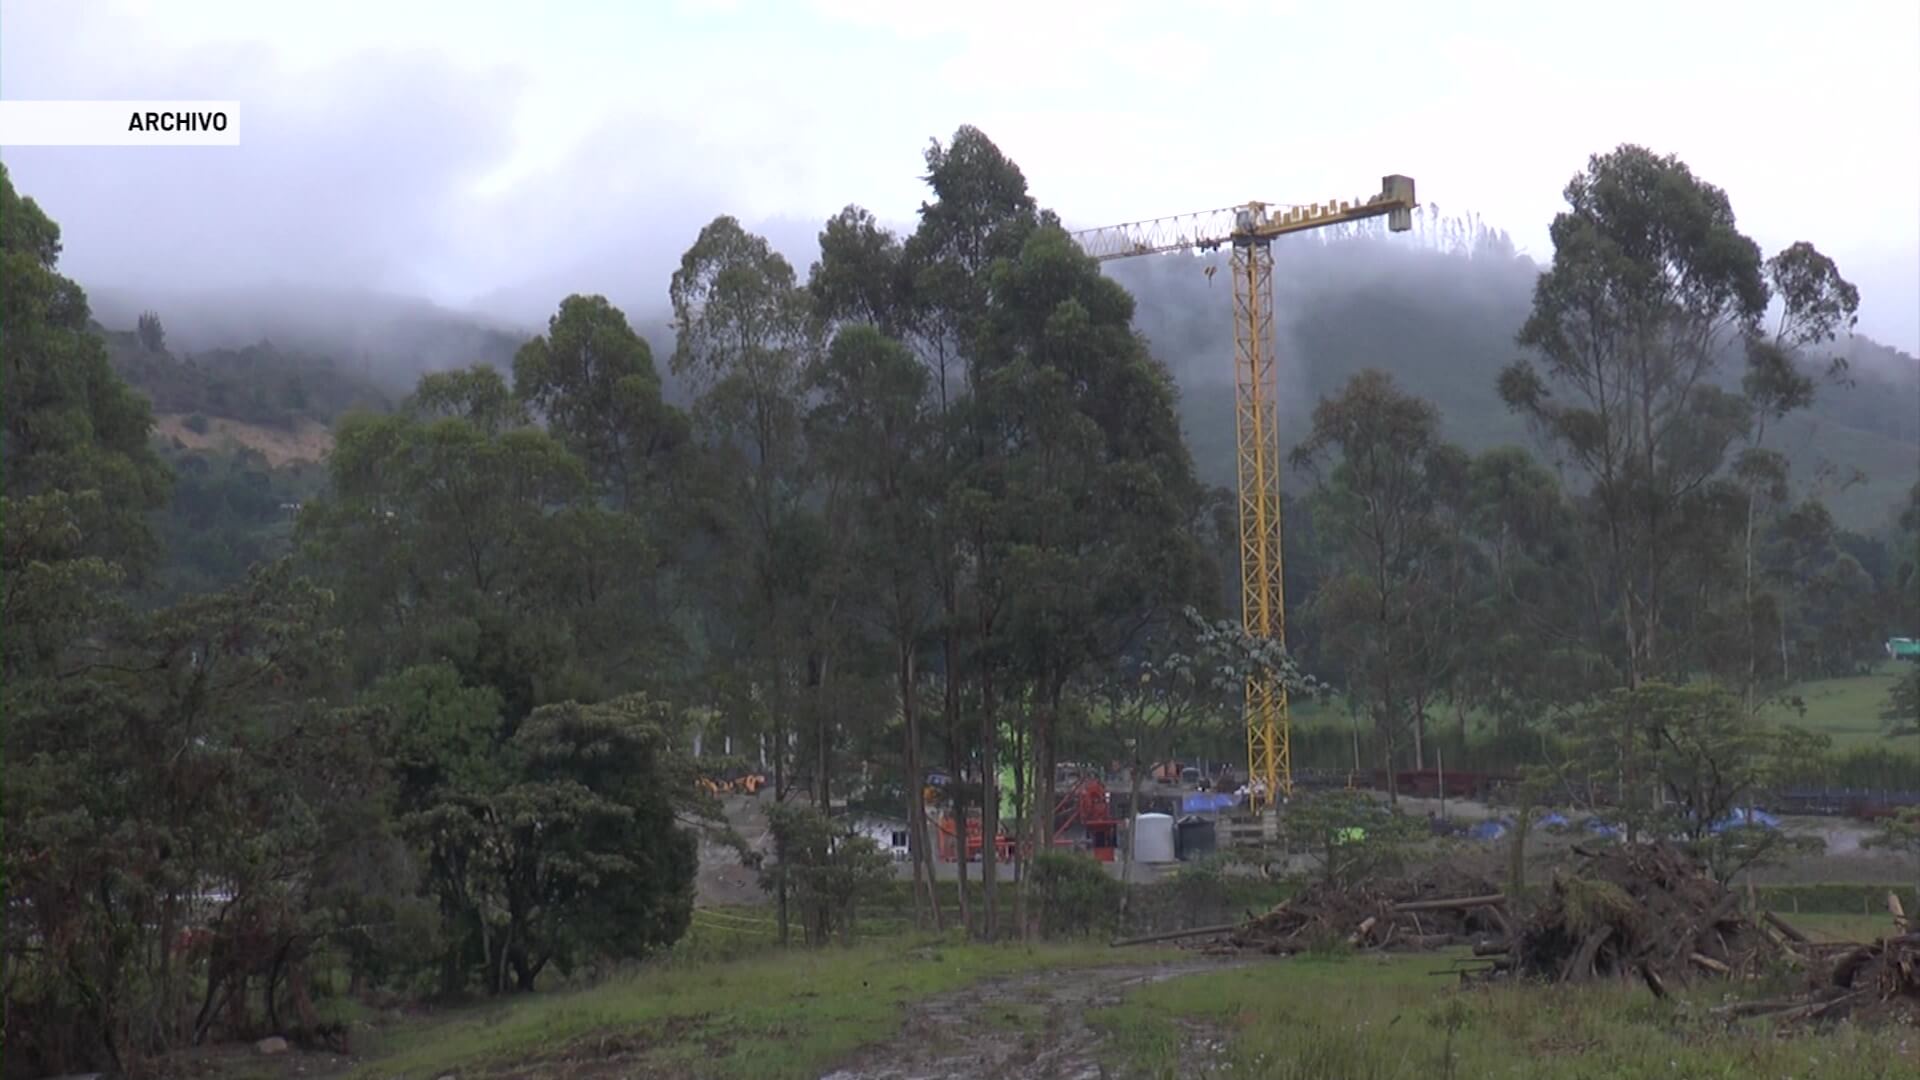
{"x": 890, "y": 834}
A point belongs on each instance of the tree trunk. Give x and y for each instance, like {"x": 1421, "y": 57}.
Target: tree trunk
{"x": 1419, "y": 733}
{"x": 926, "y": 900}
{"x": 822, "y": 728}
{"x": 989, "y": 810}
{"x": 1021, "y": 812}
{"x": 1043, "y": 802}
{"x": 1386, "y": 757}
{"x": 1753, "y": 660}
{"x": 1133, "y": 829}
{"x": 777, "y": 714}
{"x": 956, "y": 772}
{"x": 1517, "y": 857}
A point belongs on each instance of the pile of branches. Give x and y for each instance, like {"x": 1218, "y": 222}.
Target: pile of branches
{"x": 1872, "y": 981}
{"x": 1648, "y": 911}
{"x": 1429, "y": 912}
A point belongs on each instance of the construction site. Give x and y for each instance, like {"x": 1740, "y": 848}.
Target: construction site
{"x": 636, "y": 541}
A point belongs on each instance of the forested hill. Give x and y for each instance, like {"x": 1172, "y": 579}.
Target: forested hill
{"x": 385, "y": 340}
{"x": 1437, "y": 310}
{"x": 1440, "y": 317}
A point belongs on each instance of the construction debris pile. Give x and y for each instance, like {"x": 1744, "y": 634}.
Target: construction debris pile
{"x": 1874, "y": 982}
{"x": 1422, "y": 913}
{"x": 1646, "y": 912}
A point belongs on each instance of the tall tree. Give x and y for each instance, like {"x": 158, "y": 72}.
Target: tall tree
{"x": 871, "y": 432}
{"x": 450, "y": 536}
{"x": 1816, "y": 305}
{"x": 1651, "y": 287}
{"x": 980, "y": 210}
{"x": 745, "y": 336}
{"x": 593, "y": 380}
{"x": 1530, "y": 652}
{"x": 1380, "y": 470}
{"x": 80, "y": 478}
{"x": 153, "y": 336}
{"x": 863, "y": 276}
{"x": 1093, "y": 484}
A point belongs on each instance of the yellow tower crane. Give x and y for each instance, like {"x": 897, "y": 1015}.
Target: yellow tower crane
{"x": 1249, "y": 231}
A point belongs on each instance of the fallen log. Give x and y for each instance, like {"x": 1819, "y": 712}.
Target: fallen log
{"x": 1818, "y": 1009}
{"x": 1755, "y": 1008}
{"x": 1711, "y": 964}
{"x": 1492, "y": 948}
{"x": 1580, "y": 964}
{"x": 1781, "y": 925}
{"x": 1360, "y": 933}
{"x": 1175, "y": 935}
{"x": 1850, "y": 963}
{"x": 1654, "y": 982}
{"x": 1463, "y": 903}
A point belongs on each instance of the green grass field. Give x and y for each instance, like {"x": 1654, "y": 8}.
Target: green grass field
{"x": 1847, "y": 710}
{"x": 1842, "y": 927}
{"x": 1384, "y": 1018}
{"x": 722, "y": 1005}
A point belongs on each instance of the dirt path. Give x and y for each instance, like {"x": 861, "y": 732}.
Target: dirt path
{"x": 1030, "y": 1027}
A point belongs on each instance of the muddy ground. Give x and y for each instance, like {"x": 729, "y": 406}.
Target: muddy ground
{"x": 1029, "y": 1027}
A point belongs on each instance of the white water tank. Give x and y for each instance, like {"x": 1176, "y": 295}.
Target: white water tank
{"x": 1153, "y": 841}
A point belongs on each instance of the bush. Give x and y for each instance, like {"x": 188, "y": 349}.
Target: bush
{"x": 1077, "y": 897}
{"x": 828, "y": 871}
{"x": 197, "y": 424}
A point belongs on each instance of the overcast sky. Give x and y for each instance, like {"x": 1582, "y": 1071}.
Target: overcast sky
{"x": 495, "y": 154}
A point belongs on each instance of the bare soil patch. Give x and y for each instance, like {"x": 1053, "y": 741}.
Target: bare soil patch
{"x": 309, "y": 441}
{"x": 1032, "y": 1027}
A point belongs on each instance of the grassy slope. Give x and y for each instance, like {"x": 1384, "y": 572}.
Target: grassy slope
{"x": 1846, "y": 709}
{"x": 766, "y": 1016}
{"x": 1387, "y": 1017}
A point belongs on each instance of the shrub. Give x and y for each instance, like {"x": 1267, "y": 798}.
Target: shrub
{"x": 1077, "y": 897}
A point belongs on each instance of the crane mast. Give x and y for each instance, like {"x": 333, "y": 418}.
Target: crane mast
{"x": 1248, "y": 231}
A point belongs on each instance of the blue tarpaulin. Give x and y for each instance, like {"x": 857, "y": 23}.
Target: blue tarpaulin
{"x": 1488, "y": 830}
{"x": 1748, "y": 816}
{"x": 1554, "y": 821}
{"x": 1601, "y": 828}
{"x": 1208, "y": 802}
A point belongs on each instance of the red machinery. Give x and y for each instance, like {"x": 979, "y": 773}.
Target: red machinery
{"x": 948, "y": 842}
{"x": 1085, "y": 804}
